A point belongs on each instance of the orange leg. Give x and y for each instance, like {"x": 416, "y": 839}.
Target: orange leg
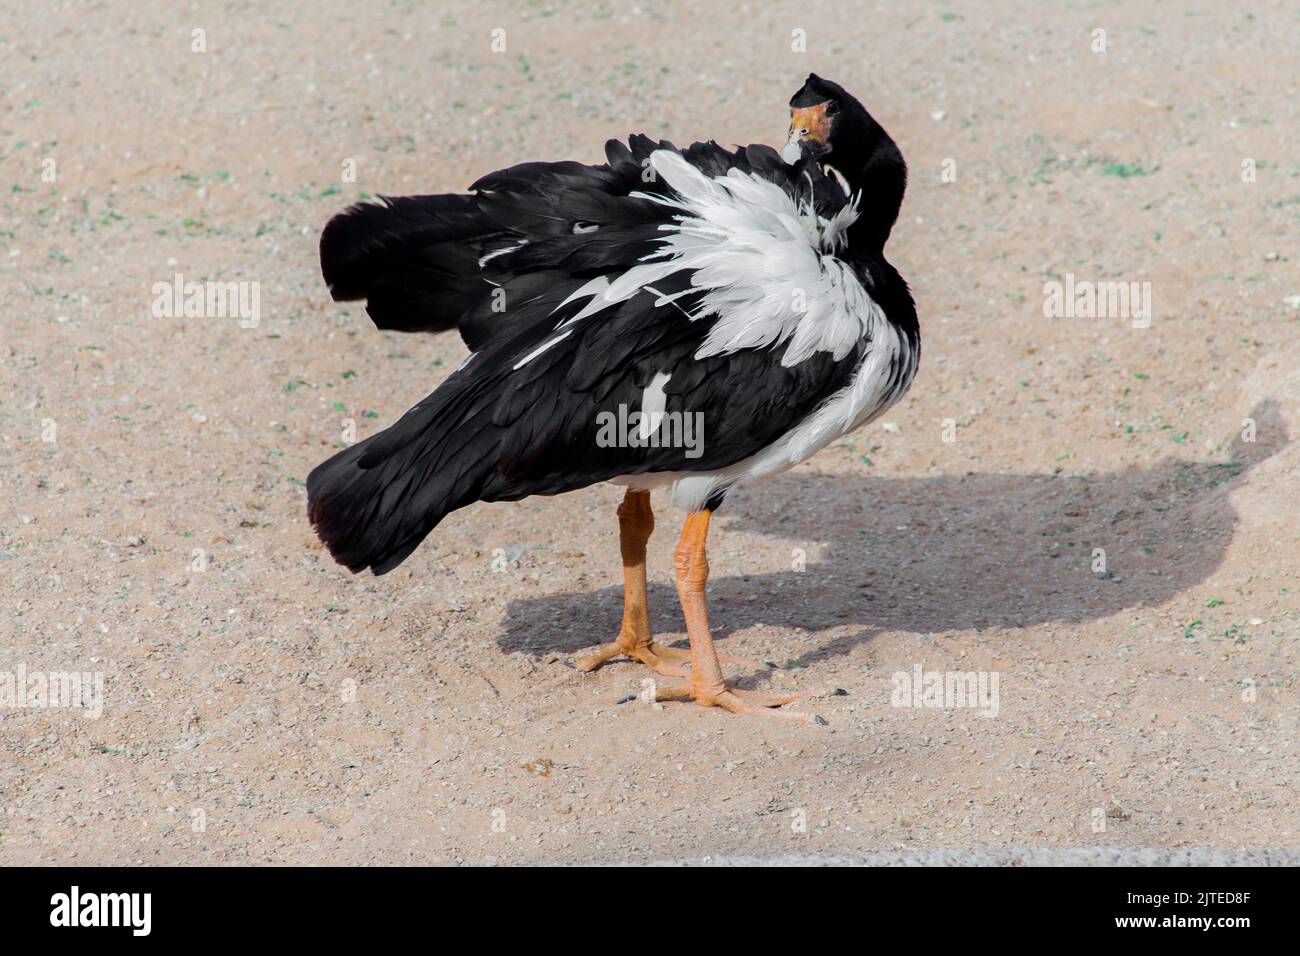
{"x": 636, "y": 522}
{"x": 706, "y": 685}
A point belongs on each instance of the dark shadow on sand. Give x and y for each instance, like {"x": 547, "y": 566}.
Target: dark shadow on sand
{"x": 978, "y": 551}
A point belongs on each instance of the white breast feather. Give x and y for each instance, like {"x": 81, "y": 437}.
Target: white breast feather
{"x": 767, "y": 269}
{"x": 766, "y": 266}
{"x": 872, "y": 390}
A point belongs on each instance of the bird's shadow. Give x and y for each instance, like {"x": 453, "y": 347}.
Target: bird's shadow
{"x": 927, "y": 555}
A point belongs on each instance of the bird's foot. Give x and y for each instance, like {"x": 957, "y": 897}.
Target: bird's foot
{"x": 661, "y": 658}
{"x": 669, "y": 661}
{"x": 740, "y": 701}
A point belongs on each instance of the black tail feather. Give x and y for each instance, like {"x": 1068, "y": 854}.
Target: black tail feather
{"x": 373, "y": 503}
{"x": 500, "y": 430}
{"x": 413, "y": 258}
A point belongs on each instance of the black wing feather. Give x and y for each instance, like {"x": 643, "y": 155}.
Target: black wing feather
{"x": 495, "y": 432}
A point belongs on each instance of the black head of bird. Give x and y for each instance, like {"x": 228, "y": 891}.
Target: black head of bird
{"x": 829, "y": 125}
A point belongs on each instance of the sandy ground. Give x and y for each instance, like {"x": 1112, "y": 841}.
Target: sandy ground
{"x": 260, "y": 705}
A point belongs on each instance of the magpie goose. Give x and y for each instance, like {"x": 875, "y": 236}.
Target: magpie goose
{"x": 694, "y": 319}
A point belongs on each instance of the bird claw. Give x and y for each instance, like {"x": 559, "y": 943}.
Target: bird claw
{"x": 657, "y": 657}
{"x": 660, "y": 658}
{"x": 738, "y": 701}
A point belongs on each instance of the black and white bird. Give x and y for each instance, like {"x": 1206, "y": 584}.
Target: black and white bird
{"x": 693, "y": 319}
